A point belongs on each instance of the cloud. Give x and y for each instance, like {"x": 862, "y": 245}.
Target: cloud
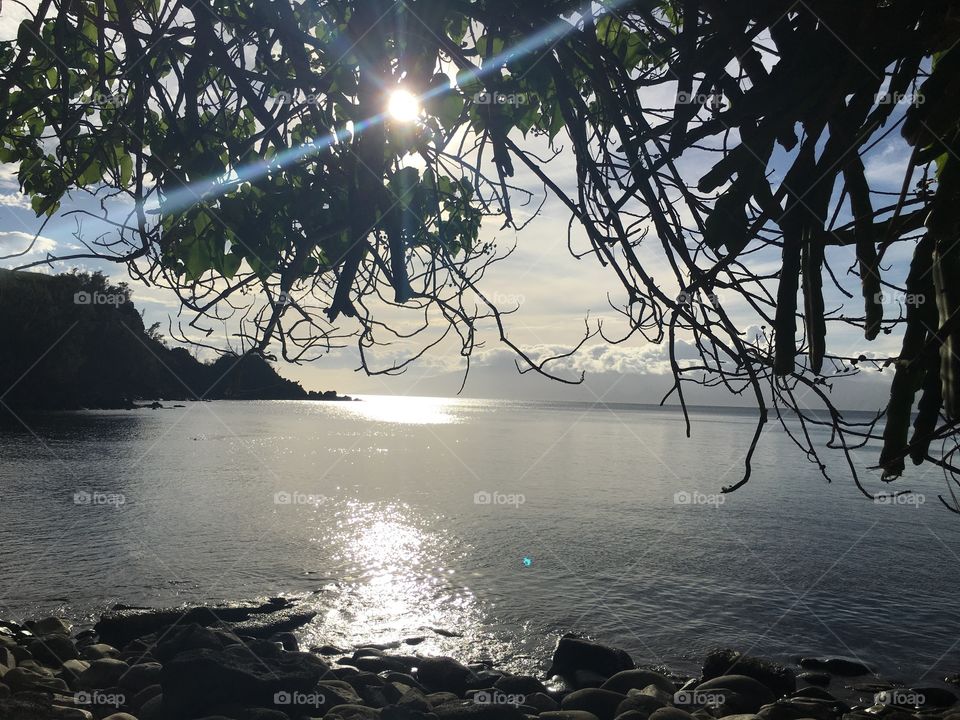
{"x": 14, "y": 200}
{"x": 15, "y": 241}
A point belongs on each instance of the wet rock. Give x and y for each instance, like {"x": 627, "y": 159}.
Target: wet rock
{"x": 445, "y": 674}
{"x": 265, "y": 625}
{"x": 120, "y": 716}
{"x": 141, "y": 698}
{"x": 442, "y": 698}
{"x": 25, "y": 678}
{"x": 725, "y": 661}
{"x": 602, "y": 703}
{"x": 935, "y": 696}
{"x": 814, "y": 693}
{"x": 71, "y": 670}
{"x": 670, "y": 713}
{"x": 338, "y": 692}
{"x": 384, "y": 663}
{"x": 53, "y": 649}
{"x": 198, "y": 680}
{"x": 374, "y": 690}
{"x": 288, "y": 640}
{"x": 140, "y": 676}
{"x": 638, "y": 702}
{"x": 794, "y": 709}
{"x": 327, "y": 650}
{"x": 49, "y": 626}
{"x": 99, "y": 651}
{"x": 519, "y": 685}
{"x": 754, "y": 693}
{"x": 541, "y": 701}
{"x": 573, "y": 654}
{"x": 568, "y": 715}
{"x": 124, "y": 624}
{"x": 815, "y": 678}
{"x": 191, "y": 636}
{"x": 405, "y": 678}
{"x": 475, "y": 711}
{"x": 638, "y": 679}
{"x": 103, "y": 673}
{"x": 352, "y": 712}
{"x": 836, "y": 665}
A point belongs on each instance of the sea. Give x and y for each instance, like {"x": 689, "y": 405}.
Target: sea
{"x": 485, "y": 529}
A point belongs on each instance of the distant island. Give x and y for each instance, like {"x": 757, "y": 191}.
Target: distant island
{"x": 75, "y": 341}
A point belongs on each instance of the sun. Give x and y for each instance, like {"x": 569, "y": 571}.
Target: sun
{"x": 403, "y": 105}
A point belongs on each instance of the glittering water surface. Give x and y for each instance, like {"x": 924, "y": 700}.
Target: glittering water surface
{"x": 487, "y": 528}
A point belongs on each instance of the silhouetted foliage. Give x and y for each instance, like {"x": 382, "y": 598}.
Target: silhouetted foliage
{"x": 250, "y": 141}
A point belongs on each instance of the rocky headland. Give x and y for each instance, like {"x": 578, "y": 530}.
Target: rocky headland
{"x": 244, "y": 662}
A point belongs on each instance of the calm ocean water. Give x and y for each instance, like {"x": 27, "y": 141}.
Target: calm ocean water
{"x": 507, "y": 522}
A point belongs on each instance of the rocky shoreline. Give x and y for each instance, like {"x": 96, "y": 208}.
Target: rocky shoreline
{"x": 243, "y": 662}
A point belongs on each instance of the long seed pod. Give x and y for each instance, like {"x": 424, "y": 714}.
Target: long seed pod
{"x": 814, "y": 319}
{"x": 908, "y": 375}
{"x": 859, "y": 192}
{"x": 944, "y": 225}
{"x": 928, "y": 409}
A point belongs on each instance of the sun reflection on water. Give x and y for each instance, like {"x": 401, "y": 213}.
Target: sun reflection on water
{"x": 404, "y": 410}
{"x": 396, "y": 584}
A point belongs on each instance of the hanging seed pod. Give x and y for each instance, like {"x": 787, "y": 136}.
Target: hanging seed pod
{"x": 909, "y": 372}
{"x": 859, "y": 192}
{"x": 928, "y": 409}
{"x": 816, "y": 323}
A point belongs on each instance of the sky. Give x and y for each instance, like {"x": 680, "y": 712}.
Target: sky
{"x": 553, "y": 293}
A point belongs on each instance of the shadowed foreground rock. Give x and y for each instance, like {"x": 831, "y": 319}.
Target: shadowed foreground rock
{"x": 241, "y": 662}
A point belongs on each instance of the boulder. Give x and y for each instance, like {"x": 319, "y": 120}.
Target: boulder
{"x": 53, "y": 649}
{"x": 445, "y": 674}
{"x": 638, "y": 701}
{"x": 670, "y": 713}
{"x": 99, "y": 651}
{"x": 25, "y": 678}
{"x": 140, "y": 676}
{"x": 568, "y": 715}
{"x": 573, "y": 654}
{"x": 475, "y": 711}
{"x": 837, "y": 665}
{"x": 188, "y": 637}
{"x": 602, "y": 703}
{"x": 815, "y": 678}
{"x": 50, "y": 626}
{"x": 519, "y": 685}
{"x": 725, "y": 661}
{"x": 541, "y": 702}
{"x": 753, "y": 693}
{"x": 352, "y": 712}
{"x": 197, "y": 680}
{"x": 103, "y": 673}
{"x": 638, "y": 679}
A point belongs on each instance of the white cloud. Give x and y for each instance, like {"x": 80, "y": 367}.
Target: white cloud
{"x": 15, "y": 241}
{"x": 14, "y": 200}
